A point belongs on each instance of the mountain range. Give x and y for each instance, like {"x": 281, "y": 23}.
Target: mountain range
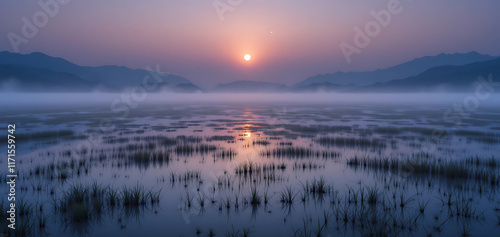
{"x": 38, "y": 72}
{"x": 443, "y": 79}
{"x": 404, "y": 70}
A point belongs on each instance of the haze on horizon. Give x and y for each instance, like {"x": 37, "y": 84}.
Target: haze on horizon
{"x": 288, "y": 40}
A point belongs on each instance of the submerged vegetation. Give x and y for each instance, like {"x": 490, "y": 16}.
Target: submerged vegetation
{"x": 452, "y": 169}
{"x": 299, "y": 152}
{"x": 376, "y": 178}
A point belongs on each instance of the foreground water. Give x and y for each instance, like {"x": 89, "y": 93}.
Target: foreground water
{"x": 247, "y": 165}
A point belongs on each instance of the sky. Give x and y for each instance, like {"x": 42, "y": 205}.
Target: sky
{"x": 289, "y": 40}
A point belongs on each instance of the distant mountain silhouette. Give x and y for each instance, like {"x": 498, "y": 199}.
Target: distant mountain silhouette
{"x": 322, "y": 87}
{"x": 37, "y": 72}
{"x": 442, "y": 79}
{"x": 109, "y": 78}
{"x": 250, "y": 86}
{"x": 186, "y": 88}
{"x": 29, "y": 79}
{"x": 411, "y": 68}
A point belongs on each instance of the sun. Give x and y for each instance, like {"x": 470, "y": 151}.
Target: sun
{"x": 247, "y": 57}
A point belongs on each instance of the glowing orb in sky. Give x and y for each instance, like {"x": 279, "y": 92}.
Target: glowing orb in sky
{"x": 247, "y": 57}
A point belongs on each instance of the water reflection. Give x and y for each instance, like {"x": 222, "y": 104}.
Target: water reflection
{"x": 353, "y": 170}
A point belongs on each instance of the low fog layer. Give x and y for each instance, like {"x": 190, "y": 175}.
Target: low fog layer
{"x": 40, "y": 100}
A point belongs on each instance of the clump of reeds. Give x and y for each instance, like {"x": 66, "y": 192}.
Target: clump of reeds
{"x": 453, "y": 169}
{"x": 288, "y": 196}
{"x": 255, "y": 198}
{"x": 298, "y": 152}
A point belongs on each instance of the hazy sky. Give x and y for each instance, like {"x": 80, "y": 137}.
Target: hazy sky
{"x": 289, "y": 40}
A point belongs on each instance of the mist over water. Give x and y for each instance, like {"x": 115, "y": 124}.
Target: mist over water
{"x": 267, "y": 164}
{"x": 83, "y": 99}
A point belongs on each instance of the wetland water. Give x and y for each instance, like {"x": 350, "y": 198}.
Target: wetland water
{"x": 326, "y": 166}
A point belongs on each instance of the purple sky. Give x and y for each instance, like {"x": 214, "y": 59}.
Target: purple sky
{"x": 289, "y": 40}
